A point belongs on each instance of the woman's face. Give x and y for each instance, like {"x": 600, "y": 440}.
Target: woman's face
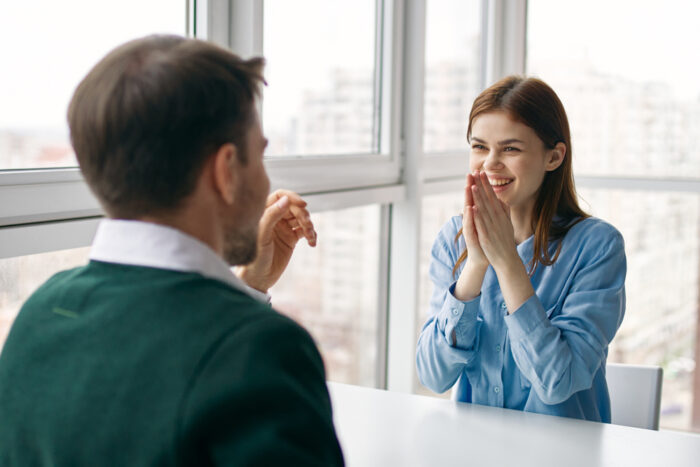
{"x": 513, "y": 156}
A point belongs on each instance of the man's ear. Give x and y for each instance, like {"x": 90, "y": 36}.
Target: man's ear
{"x": 555, "y": 157}
{"x": 225, "y": 172}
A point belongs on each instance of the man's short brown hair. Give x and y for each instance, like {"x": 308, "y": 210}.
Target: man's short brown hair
{"x": 148, "y": 115}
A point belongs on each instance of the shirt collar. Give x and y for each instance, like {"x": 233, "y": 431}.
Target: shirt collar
{"x": 526, "y": 248}
{"x": 138, "y": 243}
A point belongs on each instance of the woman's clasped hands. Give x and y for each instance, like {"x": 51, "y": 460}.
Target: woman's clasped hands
{"x": 487, "y": 227}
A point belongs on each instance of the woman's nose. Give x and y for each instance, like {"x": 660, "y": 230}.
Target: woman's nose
{"x": 492, "y": 161}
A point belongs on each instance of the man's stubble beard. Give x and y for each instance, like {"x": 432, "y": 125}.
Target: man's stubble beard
{"x": 241, "y": 237}
{"x": 241, "y": 245}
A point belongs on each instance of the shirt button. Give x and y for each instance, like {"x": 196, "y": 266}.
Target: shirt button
{"x": 498, "y": 347}
{"x": 496, "y": 389}
{"x": 503, "y": 305}
{"x": 454, "y": 311}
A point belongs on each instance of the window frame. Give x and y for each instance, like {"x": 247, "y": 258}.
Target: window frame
{"x": 327, "y": 173}
{"x": 395, "y": 176}
{"x": 53, "y": 209}
{"x": 328, "y": 182}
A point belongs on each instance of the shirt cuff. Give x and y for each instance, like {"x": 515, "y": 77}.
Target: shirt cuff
{"x": 459, "y": 318}
{"x": 523, "y": 321}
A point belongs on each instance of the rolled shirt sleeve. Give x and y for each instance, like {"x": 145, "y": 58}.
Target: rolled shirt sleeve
{"x": 450, "y": 337}
{"x": 461, "y": 320}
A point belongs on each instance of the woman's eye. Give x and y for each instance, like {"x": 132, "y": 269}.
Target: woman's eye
{"x": 510, "y": 149}
{"x": 478, "y": 147}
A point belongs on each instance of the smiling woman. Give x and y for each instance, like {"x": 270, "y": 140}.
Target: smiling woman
{"x": 529, "y": 289}
{"x": 525, "y": 124}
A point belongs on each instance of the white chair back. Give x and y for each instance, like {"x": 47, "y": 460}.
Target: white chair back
{"x": 635, "y": 394}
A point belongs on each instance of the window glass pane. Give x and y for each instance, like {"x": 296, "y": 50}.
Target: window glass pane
{"x": 320, "y": 73}
{"x": 662, "y": 243}
{"x": 20, "y": 277}
{"x": 452, "y": 71}
{"x": 436, "y": 211}
{"x": 332, "y": 290}
{"x": 630, "y": 87}
{"x": 46, "y": 48}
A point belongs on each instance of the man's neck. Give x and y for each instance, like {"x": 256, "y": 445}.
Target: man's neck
{"x": 196, "y": 224}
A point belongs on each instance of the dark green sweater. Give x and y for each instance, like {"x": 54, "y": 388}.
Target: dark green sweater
{"x": 124, "y": 365}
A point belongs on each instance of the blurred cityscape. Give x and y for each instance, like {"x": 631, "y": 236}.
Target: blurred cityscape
{"x": 624, "y": 127}
{"x": 619, "y": 127}
{"x": 334, "y": 120}
{"x": 35, "y": 148}
{"x": 21, "y": 276}
{"x": 332, "y": 290}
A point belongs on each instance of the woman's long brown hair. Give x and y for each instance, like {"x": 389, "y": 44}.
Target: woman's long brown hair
{"x": 533, "y": 103}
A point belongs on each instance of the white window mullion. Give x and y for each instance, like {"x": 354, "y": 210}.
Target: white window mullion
{"x": 313, "y": 174}
{"x": 201, "y": 21}
{"x": 514, "y": 37}
{"x": 504, "y": 38}
{"x": 245, "y": 31}
{"x": 406, "y": 215}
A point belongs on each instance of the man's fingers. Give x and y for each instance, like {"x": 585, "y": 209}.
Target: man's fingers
{"x": 272, "y": 215}
{"x": 300, "y": 234}
{"x": 293, "y": 197}
{"x": 294, "y": 213}
{"x": 301, "y": 219}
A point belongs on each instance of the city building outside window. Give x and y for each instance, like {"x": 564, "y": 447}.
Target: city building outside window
{"x": 320, "y": 98}
{"x": 633, "y": 101}
{"x": 49, "y": 46}
{"x": 452, "y": 72}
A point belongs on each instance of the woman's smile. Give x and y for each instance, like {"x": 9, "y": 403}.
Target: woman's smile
{"x": 500, "y": 184}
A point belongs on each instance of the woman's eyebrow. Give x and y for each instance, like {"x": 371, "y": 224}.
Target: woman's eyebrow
{"x": 510, "y": 141}
{"x": 501, "y": 143}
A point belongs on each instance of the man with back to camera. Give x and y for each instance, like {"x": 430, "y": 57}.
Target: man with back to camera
{"x": 155, "y": 353}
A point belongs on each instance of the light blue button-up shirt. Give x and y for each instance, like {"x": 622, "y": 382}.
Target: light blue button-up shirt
{"x": 549, "y": 355}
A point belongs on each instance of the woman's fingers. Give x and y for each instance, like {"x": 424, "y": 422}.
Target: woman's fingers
{"x": 488, "y": 189}
{"x": 468, "y": 226}
{"x": 471, "y": 236}
{"x": 468, "y": 198}
{"x": 479, "y": 226}
{"x": 506, "y": 209}
{"x": 480, "y": 200}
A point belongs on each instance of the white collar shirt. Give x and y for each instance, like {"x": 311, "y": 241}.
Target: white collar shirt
{"x": 138, "y": 243}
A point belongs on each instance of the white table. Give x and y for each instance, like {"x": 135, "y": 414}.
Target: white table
{"x": 381, "y": 428}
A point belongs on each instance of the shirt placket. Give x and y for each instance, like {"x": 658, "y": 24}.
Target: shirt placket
{"x": 498, "y": 343}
